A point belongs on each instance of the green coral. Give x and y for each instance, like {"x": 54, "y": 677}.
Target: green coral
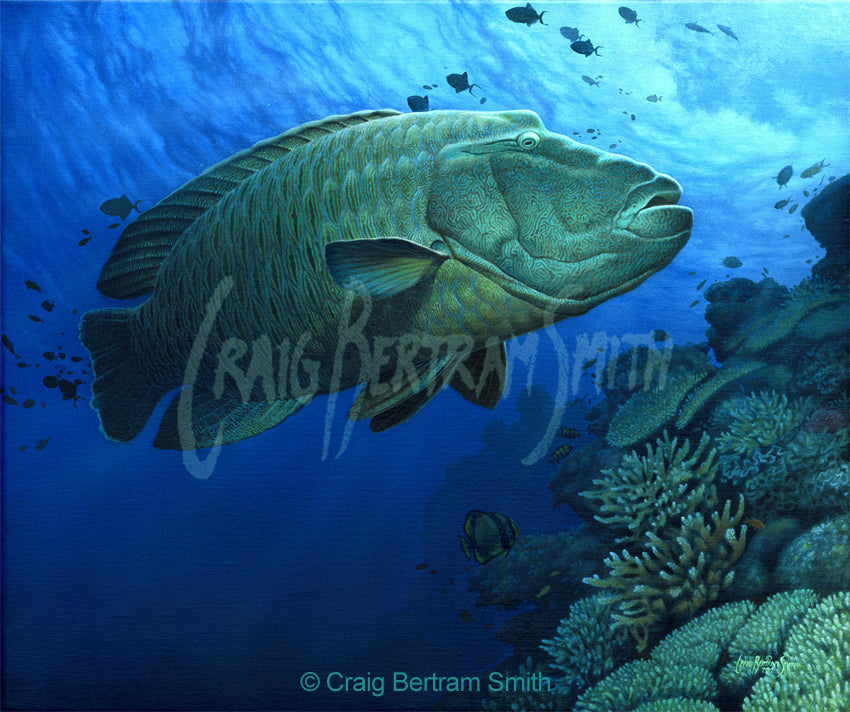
{"x": 760, "y": 332}
{"x": 819, "y": 558}
{"x": 696, "y": 399}
{"x": 795, "y": 649}
{"x": 677, "y": 704}
{"x": 587, "y": 646}
{"x": 675, "y": 576}
{"x": 647, "y": 493}
{"x": 520, "y": 700}
{"x": 646, "y": 411}
{"x": 814, "y": 672}
{"x": 761, "y": 420}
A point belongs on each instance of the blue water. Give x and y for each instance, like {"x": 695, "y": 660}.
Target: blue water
{"x": 130, "y": 584}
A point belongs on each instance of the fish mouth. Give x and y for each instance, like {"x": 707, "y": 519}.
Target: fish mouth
{"x": 651, "y": 210}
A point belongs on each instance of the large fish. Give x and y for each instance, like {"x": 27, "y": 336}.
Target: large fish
{"x": 396, "y": 250}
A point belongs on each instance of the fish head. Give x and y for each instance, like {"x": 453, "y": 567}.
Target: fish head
{"x": 553, "y": 222}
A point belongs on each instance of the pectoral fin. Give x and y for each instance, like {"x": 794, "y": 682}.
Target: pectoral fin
{"x": 382, "y": 266}
{"x": 481, "y": 377}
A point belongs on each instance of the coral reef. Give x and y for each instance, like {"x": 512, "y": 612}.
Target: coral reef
{"x": 818, "y": 559}
{"x": 826, "y": 217}
{"x": 791, "y": 653}
{"x": 545, "y": 570}
{"x": 587, "y": 646}
{"x": 703, "y": 393}
{"x": 814, "y": 671}
{"x": 763, "y": 637}
{"x": 648, "y": 493}
{"x": 674, "y": 577}
{"x": 761, "y": 420}
{"x": 681, "y": 666}
{"x": 518, "y": 699}
{"x": 646, "y": 411}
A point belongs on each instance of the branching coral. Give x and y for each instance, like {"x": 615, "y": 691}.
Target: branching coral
{"x": 648, "y": 493}
{"x": 675, "y": 576}
{"x": 814, "y": 672}
{"x": 587, "y": 647}
{"x": 763, "y": 637}
{"x": 761, "y": 420}
{"x": 795, "y": 649}
{"x": 646, "y": 411}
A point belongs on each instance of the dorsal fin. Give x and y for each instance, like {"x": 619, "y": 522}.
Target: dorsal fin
{"x": 131, "y": 269}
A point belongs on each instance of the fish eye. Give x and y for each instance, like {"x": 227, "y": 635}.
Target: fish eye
{"x": 528, "y": 140}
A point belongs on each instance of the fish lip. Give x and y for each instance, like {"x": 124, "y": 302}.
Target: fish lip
{"x": 661, "y": 194}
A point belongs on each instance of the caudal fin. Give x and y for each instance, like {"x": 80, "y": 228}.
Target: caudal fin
{"x": 123, "y": 396}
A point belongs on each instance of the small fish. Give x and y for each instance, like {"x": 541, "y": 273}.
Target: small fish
{"x": 48, "y": 305}
{"x": 589, "y": 80}
{"x": 693, "y": 304}
{"x": 433, "y": 571}
{"x": 806, "y": 193}
{"x": 525, "y": 15}
{"x": 487, "y": 535}
{"x": 460, "y": 82}
{"x": 76, "y": 359}
{"x": 28, "y": 403}
{"x": 114, "y": 225}
{"x": 660, "y": 335}
{"x": 427, "y": 86}
{"x": 630, "y": 16}
{"x": 813, "y": 170}
{"x": 590, "y": 131}
{"x": 653, "y": 98}
{"x": 585, "y": 47}
{"x": 33, "y": 317}
{"x": 782, "y": 203}
{"x": 49, "y": 355}
{"x": 68, "y": 390}
{"x": 701, "y": 285}
{"x": 560, "y": 453}
{"x": 42, "y": 443}
{"x": 633, "y": 117}
{"x": 793, "y": 208}
{"x": 697, "y": 28}
{"x": 8, "y": 400}
{"x": 544, "y": 590}
{"x": 465, "y": 616}
{"x": 85, "y": 232}
{"x": 421, "y": 567}
{"x": 10, "y": 346}
{"x": 32, "y": 285}
{"x": 589, "y": 364}
{"x": 120, "y": 207}
{"x": 22, "y": 364}
{"x": 84, "y": 241}
{"x": 731, "y": 262}
{"x": 785, "y": 237}
{"x": 784, "y": 175}
{"x": 728, "y": 31}
{"x": 417, "y": 103}
{"x": 567, "y": 432}
{"x": 754, "y": 523}
{"x": 554, "y": 573}
{"x": 22, "y": 448}
{"x": 571, "y": 33}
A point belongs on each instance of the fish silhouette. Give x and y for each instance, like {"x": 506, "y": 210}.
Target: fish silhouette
{"x": 120, "y": 207}
{"x": 418, "y": 103}
{"x": 525, "y": 15}
{"x": 697, "y": 28}
{"x": 629, "y": 15}
{"x": 460, "y": 82}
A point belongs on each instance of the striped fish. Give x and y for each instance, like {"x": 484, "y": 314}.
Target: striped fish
{"x": 487, "y": 535}
{"x": 396, "y": 250}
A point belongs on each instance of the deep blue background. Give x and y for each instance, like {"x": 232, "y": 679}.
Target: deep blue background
{"x": 127, "y": 583}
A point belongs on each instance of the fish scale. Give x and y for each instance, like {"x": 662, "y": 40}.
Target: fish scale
{"x": 369, "y": 192}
